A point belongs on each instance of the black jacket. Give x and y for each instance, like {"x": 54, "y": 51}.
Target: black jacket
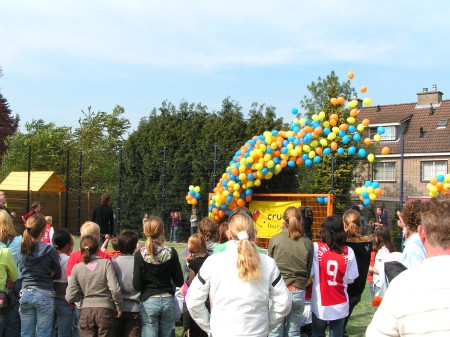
{"x": 362, "y": 248}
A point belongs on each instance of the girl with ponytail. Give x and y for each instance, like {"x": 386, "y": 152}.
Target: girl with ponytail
{"x": 93, "y": 281}
{"x": 241, "y": 283}
{"x": 39, "y": 264}
{"x": 156, "y": 270}
{"x": 362, "y": 247}
{"x": 293, "y": 252}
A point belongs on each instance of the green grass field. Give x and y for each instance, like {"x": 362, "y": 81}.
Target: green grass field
{"x": 361, "y": 317}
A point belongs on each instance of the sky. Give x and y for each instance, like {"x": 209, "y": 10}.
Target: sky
{"x": 60, "y": 57}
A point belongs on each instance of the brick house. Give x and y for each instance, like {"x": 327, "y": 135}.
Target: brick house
{"x": 422, "y": 130}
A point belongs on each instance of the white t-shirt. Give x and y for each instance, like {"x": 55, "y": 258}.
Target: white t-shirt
{"x": 332, "y": 273}
{"x": 63, "y": 258}
{"x": 379, "y": 265}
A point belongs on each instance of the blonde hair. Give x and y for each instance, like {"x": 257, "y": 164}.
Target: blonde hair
{"x": 33, "y": 228}
{"x": 7, "y": 230}
{"x": 89, "y": 228}
{"x": 293, "y": 222}
{"x": 48, "y": 220}
{"x": 248, "y": 262}
{"x": 352, "y": 223}
{"x": 153, "y": 228}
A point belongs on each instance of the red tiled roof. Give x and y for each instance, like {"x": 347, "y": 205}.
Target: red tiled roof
{"x": 433, "y": 140}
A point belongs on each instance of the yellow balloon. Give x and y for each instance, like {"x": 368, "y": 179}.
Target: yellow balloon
{"x": 197, "y": 189}
{"x": 372, "y": 196}
{"x": 315, "y": 117}
{"x": 242, "y": 176}
{"x": 331, "y": 136}
{"x": 250, "y": 183}
{"x": 326, "y": 124}
{"x": 242, "y": 168}
{"x": 311, "y": 154}
{"x": 290, "y": 146}
{"x": 294, "y": 153}
{"x": 236, "y": 194}
{"x": 267, "y": 157}
{"x": 269, "y": 175}
{"x": 314, "y": 143}
{"x": 236, "y": 187}
{"x": 270, "y": 164}
{"x": 257, "y": 182}
{"x": 358, "y": 190}
{"x": 302, "y": 121}
{"x": 360, "y": 127}
{"x": 259, "y": 174}
{"x": 191, "y": 187}
{"x": 321, "y": 115}
{"x": 306, "y": 148}
{"x": 370, "y": 189}
{"x": 335, "y": 129}
{"x": 249, "y": 159}
{"x": 352, "y": 104}
{"x": 367, "y": 101}
{"x": 262, "y": 147}
{"x": 278, "y": 168}
{"x": 351, "y": 120}
{"x": 370, "y": 157}
{"x": 323, "y": 142}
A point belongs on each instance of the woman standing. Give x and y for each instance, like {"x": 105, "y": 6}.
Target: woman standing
{"x": 293, "y": 252}
{"x": 175, "y": 221}
{"x": 156, "y": 269}
{"x": 362, "y": 247}
{"x": 241, "y": 283}
{"x": 9, "y": 239}
{"x": 93, "y": 282}
{"x": 334, "y": 267}
{"x": 39, "y": 263}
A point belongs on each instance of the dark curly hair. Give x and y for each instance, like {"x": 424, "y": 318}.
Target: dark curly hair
{"x": 411, "y": 215}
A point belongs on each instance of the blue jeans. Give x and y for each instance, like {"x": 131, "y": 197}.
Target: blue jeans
{"x": 371, "y": 291}
{"x": 193, "y": 230}
{"x": 171, "y": 236}
{"x": 157, "y": 314}
{"x": 176, "y": 234}
{"x": 319, "y": 326}
{"x": 37, "y": 308}
{"x": 290, "y": 326}
{"x": 63, "y": 319}
{"x": 75, "y": 325}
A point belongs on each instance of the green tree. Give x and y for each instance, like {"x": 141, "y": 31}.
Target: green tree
{"x": 319, "y": 100}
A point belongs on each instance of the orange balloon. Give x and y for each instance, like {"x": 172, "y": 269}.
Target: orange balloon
{"x": 235, "y": 172}
{"x": 215, "y": 210}
{"x": 365, "y": 122}
{"x": 333, "y": 101}
{"x": 248, "y": 198}
{"x": 367, "y": 141}
{"x": 333, "y": 122}
{"x": 319, "y": 151}
{"x": 440, "y": 186}
{"x": 353, "y": 112}
{"x": 283, "y": 163}
{"x": 241, "y": 202}
{"x": 334, "y": 116}
{"x": 385, "y": 150}
{"x": 351, "y": 74}
{"x": 377, "y": 191}
{"x": 343, "y": 126}
{"x": 341, "y": 100}
{"x": 334, "y": 146}
{"x": 221, "y": 213}
{"x": 299, "y": 161}
{"x": 363, "y": 89}
{"x": 433, "y": 181}
{"x": 216, "y": 217}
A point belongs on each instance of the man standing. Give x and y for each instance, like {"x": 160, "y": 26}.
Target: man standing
{"x": 103, "y": 216}
{"x": 381, "y": 217}
{"x": 417, "y": 301}
{"x": 3, "y": 204}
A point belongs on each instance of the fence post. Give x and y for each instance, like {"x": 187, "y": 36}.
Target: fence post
{"x": 332, "y": 173}
{"x": 29, "y": 178}
{"x": 214, "y": 166}
{"x": 80, "y": 170}
{"x": 119, "y": 192}
{"x": 163, "y": 190}
{"x": 66, "y": 208}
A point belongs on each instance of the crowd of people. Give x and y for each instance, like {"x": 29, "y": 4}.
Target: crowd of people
{"x": 230, "y": 286}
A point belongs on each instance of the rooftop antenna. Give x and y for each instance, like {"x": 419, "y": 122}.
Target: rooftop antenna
{"x": 434, "y": 87}
{"x": 431, "y": 110}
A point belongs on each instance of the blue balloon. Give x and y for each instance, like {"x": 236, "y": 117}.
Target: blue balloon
{"x": 296, "y": 141}
{"x": 380, "y": 130}
{"x": 362, "y": 153}
{"x": 285, "y": 142}
{"x": 345, "y": 139}
{"x": 375, "y": 184}
{"x": 269, "y": 150}
{"x": 317, "y": 159}
{"x": 365, "y": 194}
{"x": 274, "y": 132}
{"x": 308, "y": 162}
{"x": 229, "y": 199}
{"x": 325, "y": 200}
{"x": 291, "y": 163}
{"x": 242, "y": 195}
{"x": 356, "y": 137}
{"x": 224, "y": 183}
{"x": 326, "y": 131}
{"x": 351, "y": 150}
{"x": 294, "y": 111}
{"x": 227, "y": 212}
{"x": 276, "y": 160}
{"x": 284, "y": 150}
{"x": 366, "y": 202}
{"x": 341, "y": 133}
{"x": 440, "y": 178}
{"x": 265, "y": 170}
{"x": 368, "y": 183}
{"x": 192, "y": 192}
{"x": 296, "y": 129}
{"x": 197, "y": 196}
{"x": 223, "y": 206}
{"x": 320, "y": 200}
{"x": 351, "y": 129}
{"x": 340, "y": 151}
{"x": 248, "y": 191}
{"x": 250, "y": 176}
{"x": 326, "y": 151}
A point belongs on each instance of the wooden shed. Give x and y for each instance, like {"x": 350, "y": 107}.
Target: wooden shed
{"x": 40, "y": 181}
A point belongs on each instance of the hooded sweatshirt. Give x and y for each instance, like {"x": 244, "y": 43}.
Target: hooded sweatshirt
{"x": 41, "y": 267}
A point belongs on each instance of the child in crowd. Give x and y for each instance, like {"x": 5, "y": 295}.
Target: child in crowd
{"x": 39, "y": 264}
{"x": 197, "y": 255}
{"x": 209, "y": 229}
{"x": 115, "y": 251}
{"x": 92, "y": 229}
{"x": 334, "y": 267}
{"x": 94, "y": 282}
{"x": 129, "y": 324}
{"x": 373, "y": 253}
{"x": 49, "y": 231}
{"x": 35, "y": 208}
{"x": 223, "y": 229}
{"x": 63, "y": 242}
{"x": 383, "y": 246}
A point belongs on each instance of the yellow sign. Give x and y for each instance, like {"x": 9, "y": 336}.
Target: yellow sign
{"x": 268, "y": 216}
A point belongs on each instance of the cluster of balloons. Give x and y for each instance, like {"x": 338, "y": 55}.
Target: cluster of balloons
{"x": 193, "y": 195}
{"x": 440, "y": 184}
{"x": 322, "y": 200}
{"x": 369, "y": 192}
{"x": 306, "y": 143}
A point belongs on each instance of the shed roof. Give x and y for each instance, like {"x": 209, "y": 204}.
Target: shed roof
{"x": 40, "y": 181}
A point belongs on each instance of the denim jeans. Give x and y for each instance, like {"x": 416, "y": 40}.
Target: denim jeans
{"x": 176, "y": 234}
{"x": 371, "y": 291}
{"x": 319, "y": 326}
{"x": 63, "y": 319}
{"x": 193, "y": 230}
{"x": 37, "y": 308}
{"x": 290, "y": 326}
{"x": 75, "y": 320}
{"x": 157, "y": 315}
{"x": 171, "y": 236}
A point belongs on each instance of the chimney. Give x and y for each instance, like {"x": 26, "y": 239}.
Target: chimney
{"x": 425, "y": 98}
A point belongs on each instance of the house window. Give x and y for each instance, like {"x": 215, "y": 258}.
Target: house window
{"x": 384, "y": 171}
{"x": 390, "y": 133}
{"x": 442, "y": 124}
{"x": 431, "y": 169}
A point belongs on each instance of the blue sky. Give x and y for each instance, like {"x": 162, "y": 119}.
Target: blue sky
{"x": 59, "y": 57}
